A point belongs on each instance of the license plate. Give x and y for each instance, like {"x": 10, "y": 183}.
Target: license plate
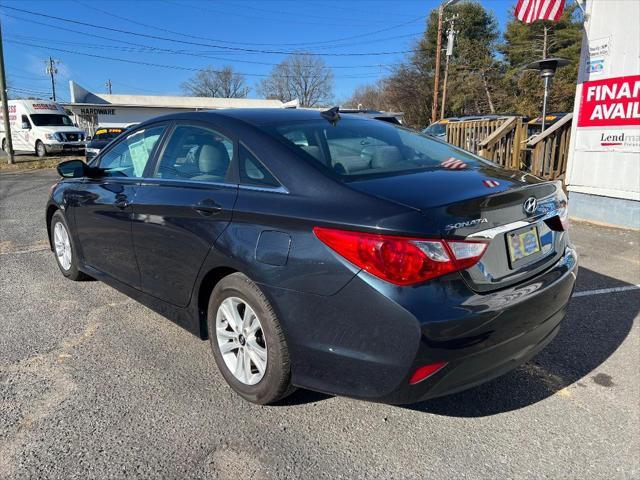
{"x": 523, "y": 243}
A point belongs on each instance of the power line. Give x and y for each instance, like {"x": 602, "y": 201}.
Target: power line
{"x": 296, "y": 16}
{"x": 297, "y": 21}
{"x": 298, "y": 44}
{"x": 33, "y": 78}
{"x": 149, "y": 64}
{"x": 148, "y": 48}
{"x": 222, "y": 47}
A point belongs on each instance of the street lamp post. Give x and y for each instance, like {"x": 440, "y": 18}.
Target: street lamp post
{"x": 547, "y": 68}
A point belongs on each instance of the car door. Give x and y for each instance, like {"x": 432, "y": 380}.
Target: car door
{"x": 21, "y": 136}
{"x": 102, "y": 206}
{"x": 180, "y": 211}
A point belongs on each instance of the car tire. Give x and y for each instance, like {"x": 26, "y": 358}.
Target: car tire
{"x": 41, "y": 149}
{"x": 274, "y": 381}
{"x": 64, "y": 249}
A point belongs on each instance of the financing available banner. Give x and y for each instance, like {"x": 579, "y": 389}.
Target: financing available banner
{"x": 609, "y": 115}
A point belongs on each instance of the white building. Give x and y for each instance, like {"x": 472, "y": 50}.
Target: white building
{"x": 91, "y": 110}
{"x": 603, "y": 174}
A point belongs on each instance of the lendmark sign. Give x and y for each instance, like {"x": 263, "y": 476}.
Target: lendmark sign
{"x": 609, "y": 115}
{"x": 614, "y": 102}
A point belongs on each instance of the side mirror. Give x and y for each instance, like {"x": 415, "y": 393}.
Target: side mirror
{"x": 73, "y": 169}
{"x": 88, "y": 138}
{"x": 26, "y": 126}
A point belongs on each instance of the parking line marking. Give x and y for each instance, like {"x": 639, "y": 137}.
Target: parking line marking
{"x": 600, "y": 291}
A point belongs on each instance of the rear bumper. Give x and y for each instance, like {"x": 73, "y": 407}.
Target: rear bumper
{"x": 367, "y": 340}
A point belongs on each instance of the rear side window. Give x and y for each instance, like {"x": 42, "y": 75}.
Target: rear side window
{"x": 196, "y": 153}
{"x": 356, "y": 148}
{"x": 252, "y": 171}
{"x": 129, "y": 157}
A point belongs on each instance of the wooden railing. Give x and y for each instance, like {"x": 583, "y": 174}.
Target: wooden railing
{"x": 504, "y": 141}
{"x": 504, "y": 146}
{"x": 548, "y": 152}
{"x": 469, "y": 134}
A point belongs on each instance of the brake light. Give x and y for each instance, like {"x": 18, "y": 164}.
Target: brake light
{"x": 402, "y": 260}
{"x": 562, "y": 205}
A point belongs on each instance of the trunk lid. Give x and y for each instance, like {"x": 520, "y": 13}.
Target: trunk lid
{"x": 485, "y": 203}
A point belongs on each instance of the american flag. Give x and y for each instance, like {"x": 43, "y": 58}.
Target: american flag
{"x": 452, "y": 163}
{"x": 490, "y": 183}
{"x": 528, "y": 11}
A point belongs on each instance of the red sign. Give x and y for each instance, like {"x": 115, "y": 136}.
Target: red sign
{"x": 612, "y": 102}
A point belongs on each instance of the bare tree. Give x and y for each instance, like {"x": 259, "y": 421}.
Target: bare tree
{"x": 302, "y": 76}
{"x": 369, "y": 97}
{"x": 223, "y": 83}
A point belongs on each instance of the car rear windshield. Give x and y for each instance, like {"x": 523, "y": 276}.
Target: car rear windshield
{"x": 356, "y": 148}
{"x": 51, "y": 120}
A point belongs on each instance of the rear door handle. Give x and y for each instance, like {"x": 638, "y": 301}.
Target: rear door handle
{"x": 207, "y": 207}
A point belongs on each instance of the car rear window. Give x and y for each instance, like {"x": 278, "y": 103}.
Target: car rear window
{"x": 355, "y": 148}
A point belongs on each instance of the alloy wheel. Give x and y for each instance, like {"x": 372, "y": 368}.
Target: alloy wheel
{"x": 62, "y": 245}
{"x": 241, "y": 340}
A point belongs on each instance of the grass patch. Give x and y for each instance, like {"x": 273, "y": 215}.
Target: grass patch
{"x": 29, "y": 162}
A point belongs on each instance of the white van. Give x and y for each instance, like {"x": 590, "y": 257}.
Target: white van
{"x": 42, "y": 127}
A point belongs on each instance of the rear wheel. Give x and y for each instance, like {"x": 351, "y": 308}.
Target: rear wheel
{"x": 41, "y": 149}
{"x": 247, "y": 341}
{"x": 64, "y": 249}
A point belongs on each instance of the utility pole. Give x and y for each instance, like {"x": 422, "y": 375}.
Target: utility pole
{"x": 108, "y": 85}
{"x": 451, "y": 34}
{"x": 8, "y": 144}
{"x": 436, "y": 81}
{"x": 52, "y": 70}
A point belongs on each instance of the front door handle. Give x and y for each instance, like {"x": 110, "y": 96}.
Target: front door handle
{"x": 121, "y": 202}
{"x": 207, "y": 207}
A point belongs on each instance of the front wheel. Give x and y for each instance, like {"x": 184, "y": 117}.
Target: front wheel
{"x": 41, "y": 149}
{"x": 64, "y": 249}
{"x": 247, "y": 341}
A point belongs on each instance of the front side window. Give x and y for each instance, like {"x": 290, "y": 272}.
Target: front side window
{"x": 196, "y": 153}
{"x": 359, "y": 148}
{"x": 129, "y": 157}
{"x": 51, "y": 120}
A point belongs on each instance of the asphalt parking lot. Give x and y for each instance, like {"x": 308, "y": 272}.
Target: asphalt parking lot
{"x": 94, "y": 385}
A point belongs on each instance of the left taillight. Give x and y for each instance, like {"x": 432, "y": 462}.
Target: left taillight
{"x": 402, "y": 260}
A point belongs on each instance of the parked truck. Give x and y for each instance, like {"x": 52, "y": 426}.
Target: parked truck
{"x": 42, "y": 127}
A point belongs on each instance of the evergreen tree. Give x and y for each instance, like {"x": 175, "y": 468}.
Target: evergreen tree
{"x": 525, "y": 43}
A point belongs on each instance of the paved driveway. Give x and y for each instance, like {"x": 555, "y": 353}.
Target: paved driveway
{"x": 94, "y": 385}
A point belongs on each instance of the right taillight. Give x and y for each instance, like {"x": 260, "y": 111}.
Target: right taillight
{"x": 402, "y": 260}
{"x": 562, "y": 206}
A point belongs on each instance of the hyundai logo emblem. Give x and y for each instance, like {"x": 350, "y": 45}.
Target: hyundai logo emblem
{"x": 530, "y": 206}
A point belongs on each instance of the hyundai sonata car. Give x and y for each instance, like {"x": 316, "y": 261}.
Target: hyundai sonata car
{"x": 322, "y": 250}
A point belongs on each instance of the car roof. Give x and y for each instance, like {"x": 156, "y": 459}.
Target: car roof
{"x": 255, "y": 116}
